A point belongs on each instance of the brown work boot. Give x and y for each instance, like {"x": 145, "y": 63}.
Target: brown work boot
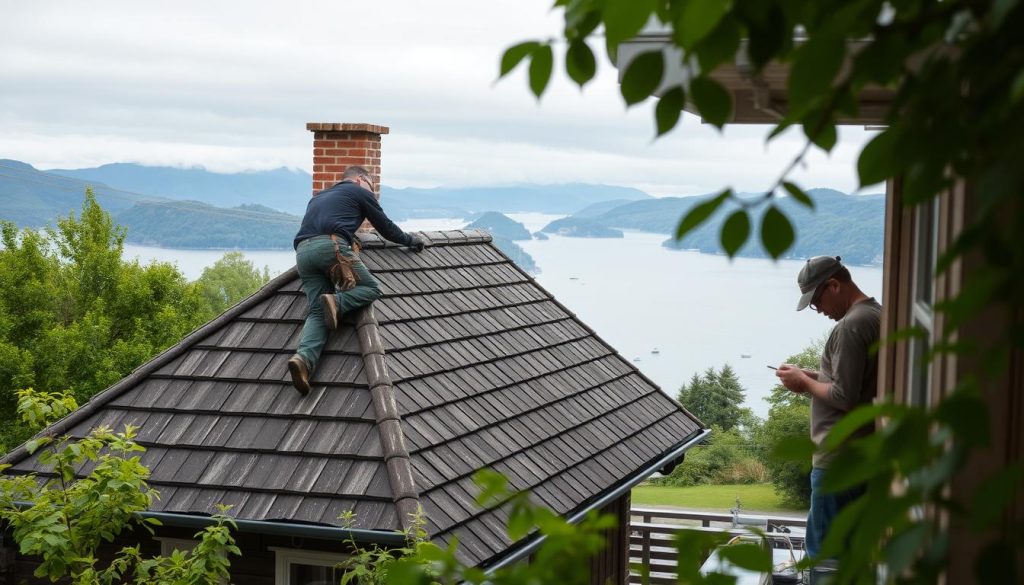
{"x": 330, "y": 307}
{"x": 300, "y": 373}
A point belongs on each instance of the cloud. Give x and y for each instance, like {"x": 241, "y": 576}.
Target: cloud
{"x": 230, "y": 85}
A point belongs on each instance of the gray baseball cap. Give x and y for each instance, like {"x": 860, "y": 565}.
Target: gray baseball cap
{"x": 815, "y": 272}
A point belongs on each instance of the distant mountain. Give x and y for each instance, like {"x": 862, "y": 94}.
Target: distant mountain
{"x": 193, "y": 224}
{"x": 282, "y": 189}
{"x": 577, "y": 227}
{"x": 555, "y": 199}
{"x": 500, "y": 225}
{"x": 848, "y": 225}
{"x": 34, "y": 198}
{"x": 596, "y": 209}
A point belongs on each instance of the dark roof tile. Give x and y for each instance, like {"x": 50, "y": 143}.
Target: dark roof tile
{"x": 487, "y": 371}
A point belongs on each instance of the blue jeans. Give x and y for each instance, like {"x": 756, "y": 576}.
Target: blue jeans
{"x": 314, "y": 258}
{"x": 824, "y": 509}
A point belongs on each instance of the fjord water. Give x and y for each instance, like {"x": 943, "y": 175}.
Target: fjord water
{"x": 697, "y": 310}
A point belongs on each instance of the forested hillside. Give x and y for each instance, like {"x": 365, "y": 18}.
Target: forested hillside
{"x": 190, "y": 224}
{"x": 850, "y": 225}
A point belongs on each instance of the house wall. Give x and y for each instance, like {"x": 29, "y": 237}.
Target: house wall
{"x": 256, "y": 566}
{"x": 1003, "y": 392}
{"x": 611, "y": 566}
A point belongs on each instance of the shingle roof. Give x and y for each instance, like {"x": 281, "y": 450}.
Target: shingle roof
{"x": 465, "y": 363}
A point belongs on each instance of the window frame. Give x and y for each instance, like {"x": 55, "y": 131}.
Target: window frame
{"x": 285, "y": 557}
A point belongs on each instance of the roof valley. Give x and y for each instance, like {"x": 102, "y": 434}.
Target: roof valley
{"x": 382, "y": 392}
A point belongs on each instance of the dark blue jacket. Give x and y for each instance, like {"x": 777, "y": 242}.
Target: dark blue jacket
{"x": 341, "y": 209}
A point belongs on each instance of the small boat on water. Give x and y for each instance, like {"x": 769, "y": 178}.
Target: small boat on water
{"x": 655, "y": 351}
{"x": 745, "y": 355}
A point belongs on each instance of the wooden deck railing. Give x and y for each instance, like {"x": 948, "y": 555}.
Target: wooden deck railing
{"x": 651, "y": 530}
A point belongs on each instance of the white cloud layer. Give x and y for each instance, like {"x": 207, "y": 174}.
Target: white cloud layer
{"x": 229, "y": 85}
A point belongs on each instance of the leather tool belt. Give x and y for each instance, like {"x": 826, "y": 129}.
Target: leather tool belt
{"x": 341, "y": 273}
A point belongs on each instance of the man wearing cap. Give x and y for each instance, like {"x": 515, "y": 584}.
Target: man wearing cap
{"x": 848, "y": 376}
{"x": 334, "y": 279}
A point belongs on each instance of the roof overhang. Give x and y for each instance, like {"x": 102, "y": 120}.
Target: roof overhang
{"x": 758, "y": 98}
{"x": 667, "y": 459}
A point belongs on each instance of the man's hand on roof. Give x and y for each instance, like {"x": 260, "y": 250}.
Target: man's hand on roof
{"x": 417, "y": 244}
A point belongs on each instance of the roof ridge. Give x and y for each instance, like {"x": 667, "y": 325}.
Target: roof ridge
{"x": 389, "y": 422}
{"x": 153, "y": 364}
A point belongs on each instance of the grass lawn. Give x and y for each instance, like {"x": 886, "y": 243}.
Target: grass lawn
{"x": 755, "y": 498}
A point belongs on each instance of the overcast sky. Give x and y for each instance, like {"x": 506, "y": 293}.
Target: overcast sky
{"x": 230, "y": 86}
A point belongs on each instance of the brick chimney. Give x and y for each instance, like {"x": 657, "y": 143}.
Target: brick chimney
{"x": 339, "y": 146}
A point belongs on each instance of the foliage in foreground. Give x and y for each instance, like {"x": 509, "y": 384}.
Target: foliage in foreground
{"x": 563, "y": 557}
{"x": 76, "y": 316}
{"x": 957, "y": 118}
{"x": 63, "y": 519}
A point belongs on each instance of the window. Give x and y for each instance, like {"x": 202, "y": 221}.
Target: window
{"x": 169, "y": 545}
{"x": 305, "y": 567}
{"x": 926, "y": 221}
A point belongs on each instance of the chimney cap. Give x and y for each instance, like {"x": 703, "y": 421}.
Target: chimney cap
{"x": 346, "y": 127}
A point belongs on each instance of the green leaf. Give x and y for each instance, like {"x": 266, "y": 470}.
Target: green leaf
{"x": 776, "y": 232}
{"x": 857, "y": 418}
{"x": 580, "y": 64}
{"x": 735, "y": 232}
{"x": 994, "y": 494}
{"x": 816, "y": 64}
{"x": 669, "y": 109}
{"x": 798, "y": 194}
{"x": 796, "y": 448}
{"x": 514, "y": 54}
{"x": 968, "y": 416}
{"x": 540, "y": 69}
{"x": 698, "y": 19}
{"x": 642, "y": 76}
{"x": 747, "y": 556}
{"x": 824, "y": 137}
{"x": 878, "y": 159}
{"x": 700, "y": 212}
{"x": 623, "y": 19}
{"x": 712, "y": 100}
{"x": 520, "y": 522}
{"x": 720, "y": 46}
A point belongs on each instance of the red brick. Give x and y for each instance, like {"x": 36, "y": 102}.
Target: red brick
{"x": 339, "y": 168}
{"x": 357, "y": 152}
{"x": 324, "y": 144}
{"x": 337, "y": 152}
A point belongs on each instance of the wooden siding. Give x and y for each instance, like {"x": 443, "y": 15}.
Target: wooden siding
{"x": 611, "y": 565}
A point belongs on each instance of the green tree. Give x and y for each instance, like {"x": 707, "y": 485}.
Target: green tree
{"x": 75, "y": 316}
{"x": 726, "y": 457}
{"x": 957, "y": 116}
{"x": 62, "y": 518}
{"x": 229, "y": 280}
{"x": 716, "y": 398}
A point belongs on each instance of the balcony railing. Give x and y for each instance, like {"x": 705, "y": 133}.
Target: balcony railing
{"x": 651, "y": 530}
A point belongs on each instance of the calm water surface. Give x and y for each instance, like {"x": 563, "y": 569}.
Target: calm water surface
{"x": 695, "y": 310}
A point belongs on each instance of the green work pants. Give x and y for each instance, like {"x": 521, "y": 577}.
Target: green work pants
{"x": 314, "y": 258}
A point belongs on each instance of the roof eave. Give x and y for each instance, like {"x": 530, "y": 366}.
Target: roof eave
{"x": 527, "y": 548}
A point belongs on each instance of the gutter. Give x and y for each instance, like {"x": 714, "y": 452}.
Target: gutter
{"x": 359, "y": 535}
{"x": 337, "y": 534}
{"x": 606, "y": 499}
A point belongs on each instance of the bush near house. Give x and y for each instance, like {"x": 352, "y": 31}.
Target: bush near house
{"x": 62, "y": 520}
{"x": 75, "y": 316}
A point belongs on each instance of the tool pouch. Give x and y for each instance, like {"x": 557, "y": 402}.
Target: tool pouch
{"x": 341, "y": 273}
